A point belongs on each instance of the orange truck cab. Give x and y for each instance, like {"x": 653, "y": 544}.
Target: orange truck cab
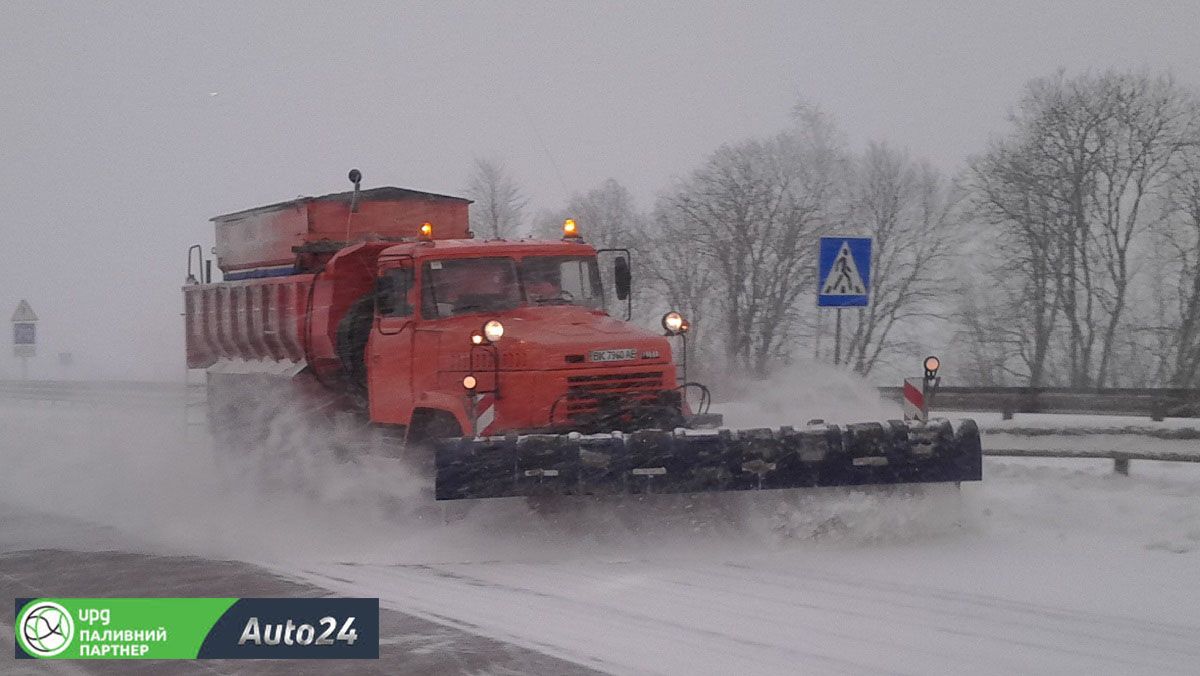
{"x": 383, "y": 304}
{"x": 560, "y": 362}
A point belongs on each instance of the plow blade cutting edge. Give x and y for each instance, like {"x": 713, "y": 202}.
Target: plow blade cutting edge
{"x": 697, "y": 461}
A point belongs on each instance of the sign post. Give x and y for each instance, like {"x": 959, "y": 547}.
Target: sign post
{"x": 24, "y": 322}
{"x": 843, "y": 279}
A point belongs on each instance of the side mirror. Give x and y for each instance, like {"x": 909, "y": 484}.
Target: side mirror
{"x": 623, "y": 277}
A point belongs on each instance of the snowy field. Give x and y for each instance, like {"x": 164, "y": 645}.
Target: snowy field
{"x": 1048, "y": 566}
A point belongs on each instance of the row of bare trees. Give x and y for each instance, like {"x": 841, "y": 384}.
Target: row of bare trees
{"x": 733, "y": 246}
{"x": 1068, "y": 252}
{"x": 1084, "y": 206}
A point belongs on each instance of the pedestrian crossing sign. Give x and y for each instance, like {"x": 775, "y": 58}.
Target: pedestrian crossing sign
{"x": 844, "y": 272}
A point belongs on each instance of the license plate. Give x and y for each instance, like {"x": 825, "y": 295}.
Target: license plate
{"x": 613, "y": 355}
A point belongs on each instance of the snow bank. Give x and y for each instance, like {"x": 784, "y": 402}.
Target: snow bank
{"x": 805, "y": 391}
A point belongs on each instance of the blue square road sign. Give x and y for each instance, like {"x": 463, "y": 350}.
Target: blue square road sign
{"x": 24, "y": 333}
{"x": 844, "y": 272}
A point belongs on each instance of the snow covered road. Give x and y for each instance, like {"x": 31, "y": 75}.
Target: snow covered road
{"x": 1047, "y": 567}
{"x": 702, "y": 617}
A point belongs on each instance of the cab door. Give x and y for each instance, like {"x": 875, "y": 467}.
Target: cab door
{"x": 390, "y": 347}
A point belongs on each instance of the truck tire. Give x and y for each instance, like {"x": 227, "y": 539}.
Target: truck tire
{"x": 430, "y": 423}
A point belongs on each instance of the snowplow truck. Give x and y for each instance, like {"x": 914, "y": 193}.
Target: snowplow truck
{"x": 496, "y": 363}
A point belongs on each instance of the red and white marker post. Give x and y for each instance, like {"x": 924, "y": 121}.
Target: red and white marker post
{"x": 918, "y": 391}
{"x": 914, "y": 400}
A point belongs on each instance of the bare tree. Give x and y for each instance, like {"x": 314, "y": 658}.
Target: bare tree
{"x": 906, "y": 207}
{"x": 985, "y": 340}
{"x": 1147, "y": 129}
{"x": 1070, "y": 190}
{"x": 499, "y": 201}
{"x": 608, "y": 218}
{"x": 606, "y": 215}
{"x": 1024, "y": 253}
{"x": 670, "y": 268}
{"x": 753, "y": 211}
{"x": 1183, "y": 238}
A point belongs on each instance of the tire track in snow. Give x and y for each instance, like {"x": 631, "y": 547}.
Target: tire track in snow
{"x": 1110, "y": 637}
{"x": 599, "y": 636}
{"x": 921, "y": 591}
{"x": 819, "y": 611}
{"x": 710, "y": 618}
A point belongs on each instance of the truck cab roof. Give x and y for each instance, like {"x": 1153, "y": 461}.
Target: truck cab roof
{"x": 465, "y": 248}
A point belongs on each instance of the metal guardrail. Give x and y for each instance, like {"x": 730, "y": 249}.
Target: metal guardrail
{"x": 1153, "y": 402}
{"x": 1157, "y": 403}
{"x": 1120, "y": 458}
{"x": 90, "y": 392}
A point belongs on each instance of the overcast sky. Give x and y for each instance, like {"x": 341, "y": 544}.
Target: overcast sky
{"x": 125, "y": 126}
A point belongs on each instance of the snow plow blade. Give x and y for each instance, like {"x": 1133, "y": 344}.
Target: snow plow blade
{"x": 698, "y": 461}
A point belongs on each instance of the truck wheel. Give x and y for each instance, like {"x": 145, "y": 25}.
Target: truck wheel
{"x": 428, "y": 424}
{"x": 432, "y": 424}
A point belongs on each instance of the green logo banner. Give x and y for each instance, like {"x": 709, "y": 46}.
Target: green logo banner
{"x": 191, "y": 628}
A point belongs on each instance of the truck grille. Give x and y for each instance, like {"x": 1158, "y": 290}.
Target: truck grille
{"x": 586, "y": 394}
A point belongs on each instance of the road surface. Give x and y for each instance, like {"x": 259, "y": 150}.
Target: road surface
{"x": 1047, "y": 567}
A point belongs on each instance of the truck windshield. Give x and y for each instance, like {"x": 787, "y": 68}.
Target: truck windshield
{"x": 465, "y": 285}
{"x": 562, "y": 280}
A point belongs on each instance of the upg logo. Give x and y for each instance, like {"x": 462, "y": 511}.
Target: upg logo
{"x": 45, "y": 629}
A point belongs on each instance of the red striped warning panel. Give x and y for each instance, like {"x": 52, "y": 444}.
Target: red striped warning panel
{"x": 485, "y": 414}
{"x": 914, "y": 399}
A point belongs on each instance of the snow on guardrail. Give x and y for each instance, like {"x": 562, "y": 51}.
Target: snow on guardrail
{"x": 1157, "y": 403}
{"x": 99, "y": 392}
{"x": 1120, "y": 458}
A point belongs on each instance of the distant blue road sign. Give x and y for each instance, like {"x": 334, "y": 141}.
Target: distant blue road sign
{"x": 24, "y": 333}
{"x": 844, "y": 272}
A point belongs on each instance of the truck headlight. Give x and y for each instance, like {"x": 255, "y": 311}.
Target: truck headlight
{"x": 674, "y": 323}
{"x": 493, "y": 330}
